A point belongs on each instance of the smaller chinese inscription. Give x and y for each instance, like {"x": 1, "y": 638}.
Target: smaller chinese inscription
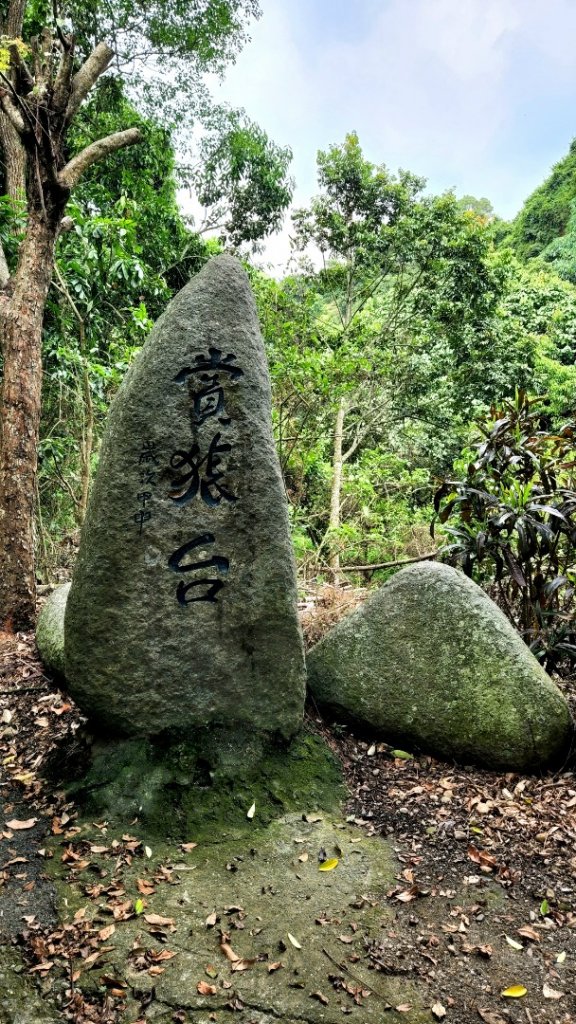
{"x": 146, "y": 469}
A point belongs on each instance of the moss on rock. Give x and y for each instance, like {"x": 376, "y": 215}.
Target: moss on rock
{"x": 181, "y": 787}
{"x": 429, "y": 661}
{"x": 20, "y": 1000}
{"x": 50, "y": 631}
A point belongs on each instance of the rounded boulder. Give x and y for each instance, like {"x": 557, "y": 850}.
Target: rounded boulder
{"x": 430, "y": 662}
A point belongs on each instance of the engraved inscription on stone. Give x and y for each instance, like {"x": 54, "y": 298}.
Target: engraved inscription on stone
{"x": 182, "y": 612}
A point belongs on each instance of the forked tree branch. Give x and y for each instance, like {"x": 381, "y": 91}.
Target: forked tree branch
{"x": 12, "y": 113}
{"x": 74, "y": 169}
{"x": 94, "y": 66}
{"x": 61, "y": 93}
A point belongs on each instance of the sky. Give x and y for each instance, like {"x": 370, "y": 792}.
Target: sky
{"x": 474, "y": 95}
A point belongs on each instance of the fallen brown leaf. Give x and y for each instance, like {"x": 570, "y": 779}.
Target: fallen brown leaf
{"x": 158, "y": 920}
{"x": 320, "y": 997}
{"x": 243, "y": 963}
{"x": 204, "y": 989}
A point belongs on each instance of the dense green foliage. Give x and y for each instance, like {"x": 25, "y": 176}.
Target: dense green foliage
{"x": 405, "y": 316}
{"x": 512, "y": 518}
{"x": 546, "y": 212}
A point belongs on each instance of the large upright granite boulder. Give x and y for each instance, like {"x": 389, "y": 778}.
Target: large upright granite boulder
{"x": 430, "y": 662}
{"x": 182, "y": 612}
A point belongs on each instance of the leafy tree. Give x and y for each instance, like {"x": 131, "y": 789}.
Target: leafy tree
{"x": 546, "y": 213}
{"x": 408, "y": 293}
{"x": 481, "y": 207}
{"x": 539, "y": 309}
{"x": 241, "y": 180}
{"x": 44, "y": 88}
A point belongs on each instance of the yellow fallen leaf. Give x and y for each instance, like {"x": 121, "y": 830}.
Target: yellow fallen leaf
{"x": 294, "y": 941}
{"x": 328, "y": 865}
{"x": 514, "y": 992}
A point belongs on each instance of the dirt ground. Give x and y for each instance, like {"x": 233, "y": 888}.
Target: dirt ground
{"x": 481, "y": 896}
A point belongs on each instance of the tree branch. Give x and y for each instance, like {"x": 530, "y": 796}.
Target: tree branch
{"x": 388, "y": 565}
{"x": 94, "y": 66}
{"x": 74, "y": 169}
{"x": 21, "y": 66}
{"x": 12, "y": 113}
{"x": 63, "y": 75}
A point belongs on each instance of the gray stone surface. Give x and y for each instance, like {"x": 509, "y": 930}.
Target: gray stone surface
{"x": 50, "y": 630}
{"x": 182, "y": 611}
{"x": 430, "y": 662}
{"x": 20, "y": 1000}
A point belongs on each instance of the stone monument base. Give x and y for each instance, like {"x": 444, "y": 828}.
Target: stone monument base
{"x": 195, "y": 786}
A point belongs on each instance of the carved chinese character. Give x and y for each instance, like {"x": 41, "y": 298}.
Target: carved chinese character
{"x": 213, "y": 361}
{"x": 207, "y": 392}
{"x": 212, "y": 585}
{"x": 200, "y": 474}
{"x": 148, "y": 453}
{"x": 142, "y": 517}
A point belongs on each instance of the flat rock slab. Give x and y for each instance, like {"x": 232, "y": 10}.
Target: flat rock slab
{"x": 20, "y": 1000}
{"x": 259, "y": 889}
{"x": 182, "y": 611}
{"x": 429, "y": 661}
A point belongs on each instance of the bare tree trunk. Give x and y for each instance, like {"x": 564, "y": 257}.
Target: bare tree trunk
{"x": 39, "y": 108}
{"x": 13, "y": 152}
{"x": 87, "y": 446}
{"x": 14, "y": 158}
{"x": 21, "y": 313}
{"x": 336, "y": 491}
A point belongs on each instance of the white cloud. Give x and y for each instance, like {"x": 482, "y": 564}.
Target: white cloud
{"x": 442, "y": 87}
